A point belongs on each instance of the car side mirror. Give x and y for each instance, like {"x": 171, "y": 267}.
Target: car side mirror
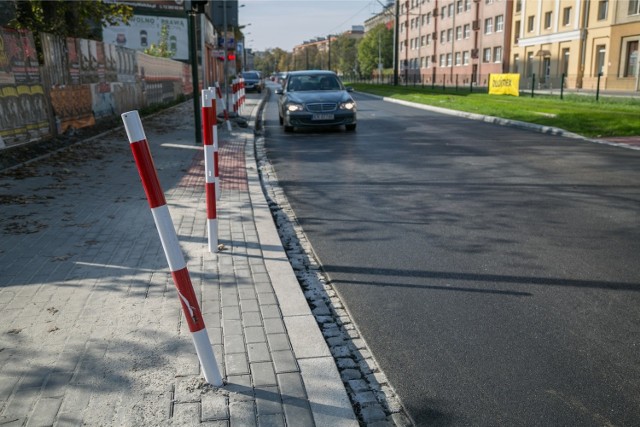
{"x": 279, "y": 91}
{"x": 349, "y": 89}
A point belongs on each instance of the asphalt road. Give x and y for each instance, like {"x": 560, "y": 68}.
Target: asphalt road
{"x": 494, "y": 272}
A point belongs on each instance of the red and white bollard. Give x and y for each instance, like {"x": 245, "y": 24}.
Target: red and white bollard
{"x": 209, "y": 128}
{"x": 234, "y": 85}
{"x": 172, "y": 251}
{"x": 224, "y": 106}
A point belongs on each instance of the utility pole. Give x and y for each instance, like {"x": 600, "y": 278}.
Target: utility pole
{"x": 396, "y": 38}
{"x": 329, "y": 40}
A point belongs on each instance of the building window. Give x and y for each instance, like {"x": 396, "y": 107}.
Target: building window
{"x": 467, "y": 31}
{"x": 443, "y": 12}
{"x": 486, "y": 55}
{"x": 600, "y": 57}
{"x": 530, "y": 23}
{"x": 547, "y": 20}
{"x": 566, "y": 16}
{"x": 458, "y": 59}
{"x": 465, "y": 57}
{"x": 449, "y": 59}
{"x": 631, "y": 65}
{"x": 516, "y": 63}
{"x": 459, "y": 6}
{"x": 450, "y": 10}
{"x": 497, "y": 54}
{"x": 488, "y": 26}
{"x": 634, "y": 7}
{"x": 428, "y": 18}
{"x": 423, "y": 40}
{"x": 428, "y": 39}
{"x": 518, "y": 6}
{"x": 449, "y": 34}
{"x": 499, "y": 23}
{"x": 441, "y": 60}
{"x": 565, "y": 60}
{"x": 467, "y": 4}
{"x": 603, "y": 10}
{"x": 459, "y": 32}
{"x": 442, "y": 36}
{"x": 516, "y": 32}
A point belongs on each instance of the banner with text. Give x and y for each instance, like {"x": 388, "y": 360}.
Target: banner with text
{"x": 504, "y": 84}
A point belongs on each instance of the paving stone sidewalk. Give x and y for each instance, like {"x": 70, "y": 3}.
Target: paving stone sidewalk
{"x": 91, "y": 330}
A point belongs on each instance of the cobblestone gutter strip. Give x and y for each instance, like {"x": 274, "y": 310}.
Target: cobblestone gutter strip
{"x": 374, "y": 400}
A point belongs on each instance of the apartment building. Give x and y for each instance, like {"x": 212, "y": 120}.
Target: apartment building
{"x": 582, "y": 39}
{"x": 454, "y": 41}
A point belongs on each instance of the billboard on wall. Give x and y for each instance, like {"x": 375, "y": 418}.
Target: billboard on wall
{"x": 145, "y": 30}
{"x": 23, "y": 111}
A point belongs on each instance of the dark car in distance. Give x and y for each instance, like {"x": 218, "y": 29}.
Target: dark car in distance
{"x": 252, "y": 81}
{"x": 315, "y": 98}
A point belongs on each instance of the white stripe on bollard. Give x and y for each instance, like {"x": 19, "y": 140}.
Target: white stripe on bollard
{"x": 168, "y": 238}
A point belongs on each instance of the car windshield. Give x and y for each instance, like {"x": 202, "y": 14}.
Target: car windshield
{"x": 313, "y": 82}
{"x": 252, "y": 76}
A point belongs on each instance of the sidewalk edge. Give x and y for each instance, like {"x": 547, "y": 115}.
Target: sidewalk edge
{"x": 328, "y": 398}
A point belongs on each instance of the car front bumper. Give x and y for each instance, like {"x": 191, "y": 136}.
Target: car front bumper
{"x": 304, "y": 118}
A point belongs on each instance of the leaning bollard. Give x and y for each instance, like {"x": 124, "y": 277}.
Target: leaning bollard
{"x": 169, "y": 239}
{"x": 208, "y": 129}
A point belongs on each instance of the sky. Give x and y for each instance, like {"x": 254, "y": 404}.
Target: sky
{"x": 287, "y": 23}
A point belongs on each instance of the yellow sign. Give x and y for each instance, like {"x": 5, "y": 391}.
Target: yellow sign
{"x": 504, "y": 84}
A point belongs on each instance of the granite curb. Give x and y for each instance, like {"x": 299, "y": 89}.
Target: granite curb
{"x": 549, "y": 130}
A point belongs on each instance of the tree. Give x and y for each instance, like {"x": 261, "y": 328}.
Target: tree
{"x": 162, "y": 49}
{"x": 79, "y": 19}
{"x": 344, "y": 54}
{"x": 378, "y": 40}
{"x": 273, "y": 60}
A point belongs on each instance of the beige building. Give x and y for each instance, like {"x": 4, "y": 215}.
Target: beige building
{"x": 454, "y": 41}
{"x": 578, "y": 38}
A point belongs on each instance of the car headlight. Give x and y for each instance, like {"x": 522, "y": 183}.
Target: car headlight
{"x": 295, "y": 107}
{"x": 349, "y": 105}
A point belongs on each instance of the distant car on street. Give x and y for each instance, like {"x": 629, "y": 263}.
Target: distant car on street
{"x": 253, "y": 81}
{"x": 281, "y": 77}
{"x": 315, "y": 98}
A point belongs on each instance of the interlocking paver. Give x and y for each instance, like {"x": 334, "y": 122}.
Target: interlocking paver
{"x": 92, "y": 332}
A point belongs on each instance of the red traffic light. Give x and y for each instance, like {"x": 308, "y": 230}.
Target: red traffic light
{"x": 231, "y": 57}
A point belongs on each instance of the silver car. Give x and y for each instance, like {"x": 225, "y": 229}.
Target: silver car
{"x": 315, "y": 98}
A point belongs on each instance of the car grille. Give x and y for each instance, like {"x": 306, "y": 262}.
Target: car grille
{"x": 321, "y": 107}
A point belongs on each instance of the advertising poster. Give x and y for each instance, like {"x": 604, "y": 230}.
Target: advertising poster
{"x": 73, "y": 59}
{"x": 143, "y": 31}
{"x": 23, "y": 110}
{"x": 72, "y": 106}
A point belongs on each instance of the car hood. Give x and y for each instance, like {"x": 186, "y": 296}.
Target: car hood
{"x": 319, "y": 96}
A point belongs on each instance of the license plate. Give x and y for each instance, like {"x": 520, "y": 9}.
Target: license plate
{"x": 322, "y": 117}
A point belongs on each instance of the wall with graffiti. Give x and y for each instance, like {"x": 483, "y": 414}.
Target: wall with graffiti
{"x": 79, "y": 83}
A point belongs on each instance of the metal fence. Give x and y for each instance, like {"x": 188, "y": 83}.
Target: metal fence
{"x": 528, "y": 85}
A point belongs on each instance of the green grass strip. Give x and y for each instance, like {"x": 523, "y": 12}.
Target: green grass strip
{"x": 581, "y": 114}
